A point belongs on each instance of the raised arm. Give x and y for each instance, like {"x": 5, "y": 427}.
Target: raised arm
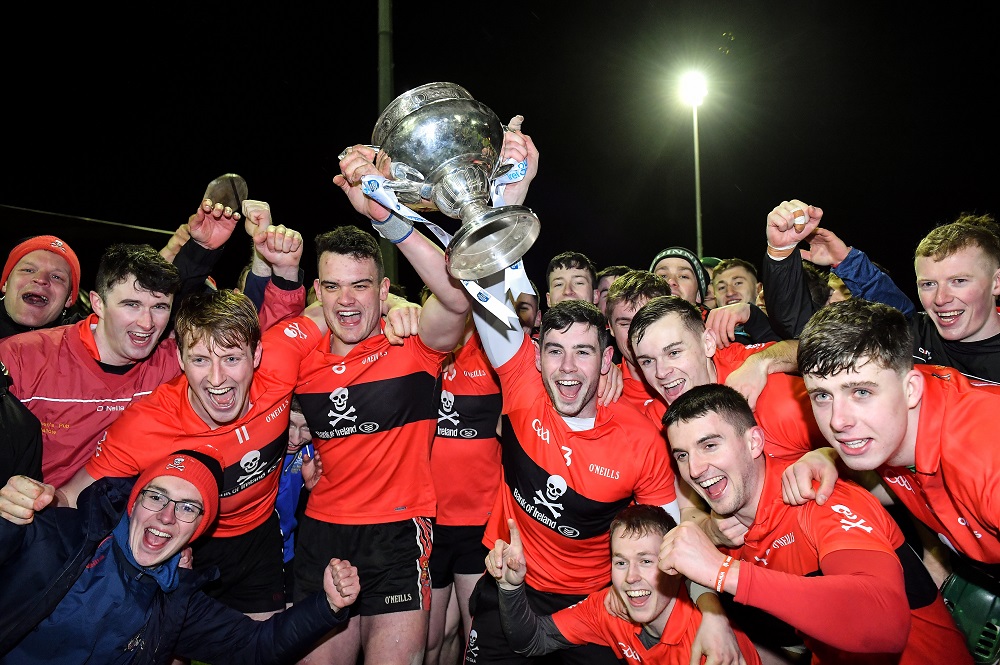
{"x": 789, "y": 304}
{"x": 527, "y": 633}
{"x": 442, "y": 320}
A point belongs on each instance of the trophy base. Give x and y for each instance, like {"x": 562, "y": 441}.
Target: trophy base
{"x": 492, "y": 240}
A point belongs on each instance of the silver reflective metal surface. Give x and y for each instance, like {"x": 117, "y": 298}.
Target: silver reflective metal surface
{"x": 445, "y": 149}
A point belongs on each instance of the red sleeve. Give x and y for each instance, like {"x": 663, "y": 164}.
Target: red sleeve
{"x": 826, "y": 607}
{"x": 280, "y": 305}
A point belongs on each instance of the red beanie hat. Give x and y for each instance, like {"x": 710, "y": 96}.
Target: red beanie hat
{"x": 49, "y": 244}
{"x": 202, "y": 468}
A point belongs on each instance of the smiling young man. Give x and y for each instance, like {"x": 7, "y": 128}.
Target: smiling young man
{"x": 78, "y": 379}
{"x": 880, "y": 412}
{"x": 735, "y": 280}
{"x": 371, "y": 409}
{"x": 105, "y": 584}
{"x": 570, "y": 276}
{"x": 676, "y": 352}
{"x": 841, "y": 575}
{"x": 685, "y": 274}
{"x": 40, "y": 281}
{"x": 226, "y": 399}
{"x": 662, "y": 620}
{"x": 957, "y": 266}
{"x": 629, "y": 292}
{"x": 230, "y": 399}
{"x": 927, "y": 430}
{"x": 569, "y": 465}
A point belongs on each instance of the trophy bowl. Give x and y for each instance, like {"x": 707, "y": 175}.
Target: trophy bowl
{"x": 445, "y": 149}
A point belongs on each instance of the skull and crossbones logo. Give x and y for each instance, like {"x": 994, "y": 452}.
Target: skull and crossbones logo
{"x": 339, "y": 399}
{"x": 473, "y": 647}
{"x": 555, "y": 487}
{"x": 251, "y": 464}
{"x": 447, "y": 404}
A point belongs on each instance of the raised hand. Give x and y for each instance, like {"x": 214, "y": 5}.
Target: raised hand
{"x": 782, "y": 234}
{"x": 279, "y": 246}
{"x": 505, "y": 562}
{"x": 825, "y": 248}
{"x": 518, "y": 146}
{"x": 360, "y": 160}
{"x": 212, "y": 225}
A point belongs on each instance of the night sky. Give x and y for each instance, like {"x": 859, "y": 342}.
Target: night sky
{"x": 880, "y": 113}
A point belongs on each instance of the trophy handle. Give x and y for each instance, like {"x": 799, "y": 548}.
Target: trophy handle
{"x": 407, "y": 180}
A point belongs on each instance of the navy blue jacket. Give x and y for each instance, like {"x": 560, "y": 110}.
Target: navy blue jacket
{"x": 42, "y": 560}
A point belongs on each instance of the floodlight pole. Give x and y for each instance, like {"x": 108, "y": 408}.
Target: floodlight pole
{"x": 693, "y": 91}
{"x": 697, "y": 183}
{"x": 385, "y": 96}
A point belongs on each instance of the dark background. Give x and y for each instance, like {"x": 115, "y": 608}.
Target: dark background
{"x": 880, "y": 113}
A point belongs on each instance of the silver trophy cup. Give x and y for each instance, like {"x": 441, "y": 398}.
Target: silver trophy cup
{"x": 445, "y": 149}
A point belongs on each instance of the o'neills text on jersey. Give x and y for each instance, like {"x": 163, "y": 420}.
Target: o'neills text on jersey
{"x": 604, "y": 471}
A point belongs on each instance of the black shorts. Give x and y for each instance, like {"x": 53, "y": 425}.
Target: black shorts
{"x": 488, "y": 644}
{"x": 393, "y": 562}
{"x": 458, "y": 550}
{"x": 290, "y": 579}
{"x": 251, "y": 565}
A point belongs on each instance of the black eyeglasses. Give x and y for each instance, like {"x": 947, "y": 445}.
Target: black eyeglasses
{"x": 185, "y": 511}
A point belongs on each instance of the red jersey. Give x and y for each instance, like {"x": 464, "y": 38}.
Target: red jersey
{"x": 465, "y": 453}
{"x": 635, "y": 390}
{"x": 588, "y": 622}
{"x": 56, "y": 376}
{"x": 953, "y": 489}
{"x": 783, "y": 409}
{"x": 372, "y": 414}
{"x": 788, "y": 543}
{"x": 565, "y": 487}
{"x": 251, "y": 446}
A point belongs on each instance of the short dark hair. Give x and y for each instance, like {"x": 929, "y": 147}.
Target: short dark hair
{"x": 726, "y": 264}
{"x": 564, "y": 314}
{"x": 568, "y": 260}
{"x": 351, "y": 241}
{"x": 817, "y": 281}
{"x": 641, "y": 519}
{"x": 295, "y": 406}
{"x": 712, "y": 398}
{"x": 617, "y": 271}
{"x": 662, "y": 306}
{"x": 634, "y": 286}
{"x": 848, "y": 334}
{"x": 142, "y": 263}
{"x": 966, "y": 231}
